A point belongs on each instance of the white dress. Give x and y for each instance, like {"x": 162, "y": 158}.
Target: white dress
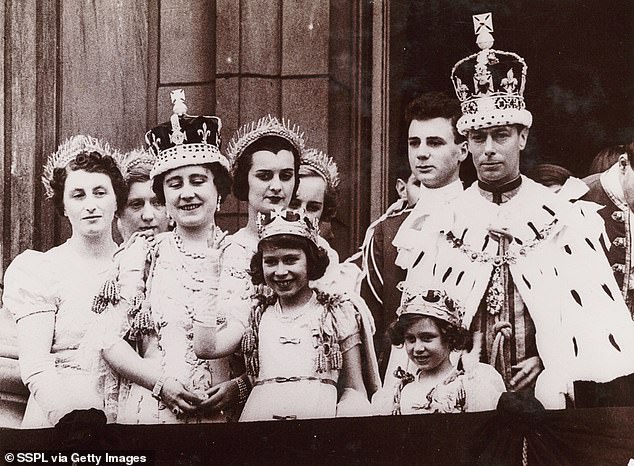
{"x": 288, "y": 385}
{"x": 173, "y": 287}
{"x": 58, "y": 281}
{"x": 475, "y": 389}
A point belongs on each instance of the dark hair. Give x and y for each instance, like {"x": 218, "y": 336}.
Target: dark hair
{"x": 432, "y": 105}
{"x": 245, "y": 162}
{"x": 330, "y": 195}
{"x": 457, "y": 338}
{"x": 316, "y": 257}
{"x": 605, "y": 158}
{"x": 222, "y": 181}
{"x": 91, "y": 162}
{"x": 550, "y": 174}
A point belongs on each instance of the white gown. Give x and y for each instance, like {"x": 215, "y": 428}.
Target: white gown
{"x": 58, "y": 281}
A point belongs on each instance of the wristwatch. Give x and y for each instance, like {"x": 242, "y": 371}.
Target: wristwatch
{"x": 158, "y": 386}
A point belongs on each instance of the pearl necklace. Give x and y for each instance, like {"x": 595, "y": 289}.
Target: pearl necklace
{"x": 179, "y": 245}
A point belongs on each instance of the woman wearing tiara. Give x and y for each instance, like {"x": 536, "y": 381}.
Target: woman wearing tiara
{"x": 265, "y": 159}
{"x": 318, "y": 194}
{"x": 163, "y": 283}
{"x": 143, "y": 212}
{"x": 51, "y": 294}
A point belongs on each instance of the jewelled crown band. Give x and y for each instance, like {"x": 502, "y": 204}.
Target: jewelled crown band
{"x": 322, "y": 164}
{"x": 67, "y": 152}
{"x": 288, "y": 222}
{"x": 433, "y": 303}
{"x": 266, "y": 126}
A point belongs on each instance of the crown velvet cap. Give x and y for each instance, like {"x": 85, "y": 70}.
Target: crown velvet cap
{"x": 185, "y": 139}
{"x": 432, "y": 303}
{"x": 490, "y": 84}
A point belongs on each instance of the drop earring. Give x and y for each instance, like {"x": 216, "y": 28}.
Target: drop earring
{"x": 218, "y": 204}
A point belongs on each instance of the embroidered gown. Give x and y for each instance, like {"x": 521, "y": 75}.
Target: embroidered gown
{"x": 476, "y": 389}
{"x": 288, "y": 385}
{"x": 58, "y": 281}
{"x": 237, "y": 291}
{"x": 174, "y": 286}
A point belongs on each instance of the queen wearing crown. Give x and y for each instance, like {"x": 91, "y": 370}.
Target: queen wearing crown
{"x": 52, "y": 294}
{"x": 162, "y": 284}
{"x": 303, "y": 348}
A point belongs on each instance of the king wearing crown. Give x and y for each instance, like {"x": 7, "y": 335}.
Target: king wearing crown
{"x": 527, "y": 265}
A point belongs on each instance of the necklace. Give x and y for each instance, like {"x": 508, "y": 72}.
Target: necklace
{"x": 288, "y": 318}
{"x": 179, "y": 245}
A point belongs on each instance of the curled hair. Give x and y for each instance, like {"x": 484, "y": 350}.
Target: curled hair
{"x": 330, "y": 195}
{"x": 222, "y": 181}
{"x": 432, "y": 105}
{"x": 91, "y": 162}
{"x": 244, "y": 163}
{"x": 457, "y": 338}
{"x": 316, "y": 257}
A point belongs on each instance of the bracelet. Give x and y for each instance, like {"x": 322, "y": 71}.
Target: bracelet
{"x": 242, "y": 389}
{"x": 158, "y": 386}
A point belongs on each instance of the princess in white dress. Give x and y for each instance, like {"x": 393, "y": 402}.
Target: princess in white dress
{"x": 303, "y": 348}
{"x": 429, "y": 328}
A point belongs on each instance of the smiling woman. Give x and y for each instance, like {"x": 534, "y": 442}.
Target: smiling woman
{"x": 265, "y": 158}
{"x": 165, "y": 282}
{"x": 56, "y": 326}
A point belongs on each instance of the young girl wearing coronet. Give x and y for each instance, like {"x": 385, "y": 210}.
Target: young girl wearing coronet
{"x": 303, "y": 348}
{"x": 429, "y": 327}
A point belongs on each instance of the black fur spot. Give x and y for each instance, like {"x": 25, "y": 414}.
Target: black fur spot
{"x": 574, "y": 344}
{"x": 446, "y": 275}
{"x": 576, "y": 296}
{"x": 590, "y": 244}
{"x": 548, "y": 209}
{"x": 486, "y": 242}
{"x": 528, "y": 284}
{"x": 418, "y": 259}
{"x": 607, "y": 291}
{"x": 567, "y": 249}
{"x": 538, "y": 235}
{"x": 605, "y": 248}
{"x": 556, "y": 273}
{"x": 459, "y": 277}
{"x": 518, "y": 241}
{"x": 613, "y": 342}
